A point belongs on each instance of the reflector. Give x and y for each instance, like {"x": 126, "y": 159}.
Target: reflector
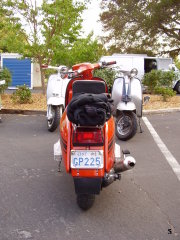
{"x": 88, "y": 136}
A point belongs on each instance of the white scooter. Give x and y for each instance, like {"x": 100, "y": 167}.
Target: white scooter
{"x": 2, "y": 82}
{"x": 127, "y": 96}
{"x": 56, "y": 89}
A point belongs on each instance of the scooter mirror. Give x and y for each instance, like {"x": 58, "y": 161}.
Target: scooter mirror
{"x": 133, "y": 72}
{"x": 146, "y": 99}
{"x": 2, "y": 82}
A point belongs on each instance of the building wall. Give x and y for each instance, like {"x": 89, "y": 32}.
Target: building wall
{"x": 36, "y": 75}
{"x": 20, "y": 71}
{"x": 35, "y": 69}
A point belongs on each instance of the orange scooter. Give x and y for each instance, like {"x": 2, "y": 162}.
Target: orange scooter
{"x": 87, "y": 135}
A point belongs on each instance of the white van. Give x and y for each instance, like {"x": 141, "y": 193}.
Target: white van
{"x": 144, "y": 64}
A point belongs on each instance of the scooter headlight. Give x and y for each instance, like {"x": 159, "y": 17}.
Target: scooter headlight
{"x": 133, "y": 73}
{"x": 55, "y": 94}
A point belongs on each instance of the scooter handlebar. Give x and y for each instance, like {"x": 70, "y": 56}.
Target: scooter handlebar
{"x": 108, "y": 63}
{"x": 72, "y": 74}
{"x": 61, "y": 68}
{"x": 44, "y": 66}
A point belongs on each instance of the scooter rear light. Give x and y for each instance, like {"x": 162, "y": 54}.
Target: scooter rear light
{"x": 88, "y": 136}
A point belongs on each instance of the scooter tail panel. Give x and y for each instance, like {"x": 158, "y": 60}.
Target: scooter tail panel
{"x": 129, "y": 106}
{"x": 56, "y": 101}
{"x": 88, "y": 173}
{"x": 136, "y": 94}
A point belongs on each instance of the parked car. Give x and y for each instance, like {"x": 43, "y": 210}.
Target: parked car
{"x": 144, "y": 64}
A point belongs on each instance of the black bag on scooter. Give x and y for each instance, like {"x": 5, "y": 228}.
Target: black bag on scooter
{"x": 86, "y": 109}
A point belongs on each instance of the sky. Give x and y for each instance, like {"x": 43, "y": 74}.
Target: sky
{"x": 91, "y": 17}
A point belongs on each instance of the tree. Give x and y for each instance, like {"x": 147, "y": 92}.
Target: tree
{"x": 11, "y": 34}
{"x": 177, "y": 62}
{"x": 81, "y": 50}
{"x": 41, "y": 28}
{"x": 142, "y": 25}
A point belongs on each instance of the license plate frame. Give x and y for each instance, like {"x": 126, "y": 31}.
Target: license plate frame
{"x": 87, "y": 159}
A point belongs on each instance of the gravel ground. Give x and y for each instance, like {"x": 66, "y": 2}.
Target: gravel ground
{"x": 39, "y": 102}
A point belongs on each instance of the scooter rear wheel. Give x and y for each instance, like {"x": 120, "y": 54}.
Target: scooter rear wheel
{"x": 126, "y": 125}
{"x": 85, "y": 201}
{"x": 54, "y": 122}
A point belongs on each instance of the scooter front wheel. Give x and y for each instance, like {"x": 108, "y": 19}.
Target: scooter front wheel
{"x": 85, "y": 201}
{"x": 177, "y": 88}
{"x": 53, "y": 123}
{"x": 126, "y": 125}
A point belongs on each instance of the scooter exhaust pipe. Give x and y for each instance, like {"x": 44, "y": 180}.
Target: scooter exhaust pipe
{"x": 121, "y": 166}
{"x": 110, "y": 178}
{"x": 128, "y": 163}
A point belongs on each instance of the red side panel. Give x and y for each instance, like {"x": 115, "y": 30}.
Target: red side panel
{"x": 65, "y": 138}
{"x": 109, "y": 144}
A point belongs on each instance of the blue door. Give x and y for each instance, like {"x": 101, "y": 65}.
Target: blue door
{"x": 20, "y": 71}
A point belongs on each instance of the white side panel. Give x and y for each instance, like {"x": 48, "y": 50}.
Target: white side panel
{"x": 117, "y": 91}
{"x": 57, "y": 151}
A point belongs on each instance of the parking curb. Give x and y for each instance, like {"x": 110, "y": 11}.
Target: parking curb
{"x": 159, "y": 111}
{"x": 42, "y": 112}
{"x": 23, "y": 112}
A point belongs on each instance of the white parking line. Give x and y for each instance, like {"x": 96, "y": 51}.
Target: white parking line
{"x": 168, "y": 155}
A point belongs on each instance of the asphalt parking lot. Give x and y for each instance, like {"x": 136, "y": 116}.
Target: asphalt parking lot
{"x": 37, "y": 202}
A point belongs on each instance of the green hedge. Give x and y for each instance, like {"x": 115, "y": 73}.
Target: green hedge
{"x": 5, "y": 75}
{"x": 107, "y": 74}
{"x": 160, "y": 82}
{"x": 22, "y": 95}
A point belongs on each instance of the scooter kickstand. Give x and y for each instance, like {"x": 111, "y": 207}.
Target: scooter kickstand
{"x": 140, "y": 128}
{"x": 118, "y": 176}
{"x": 59, "y": 166}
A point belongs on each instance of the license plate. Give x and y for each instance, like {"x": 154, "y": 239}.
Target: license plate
{"x": 87, "y": 159}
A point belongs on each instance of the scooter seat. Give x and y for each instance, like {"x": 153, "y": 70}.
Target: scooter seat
{"x": 88, "y": 86}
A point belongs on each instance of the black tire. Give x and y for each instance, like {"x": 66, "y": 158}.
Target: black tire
{"x": 126, "y": 130}
{"x": 177, "y": 88}
{"x": 85, "y": 201}
{"x": 54, "y": 122}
